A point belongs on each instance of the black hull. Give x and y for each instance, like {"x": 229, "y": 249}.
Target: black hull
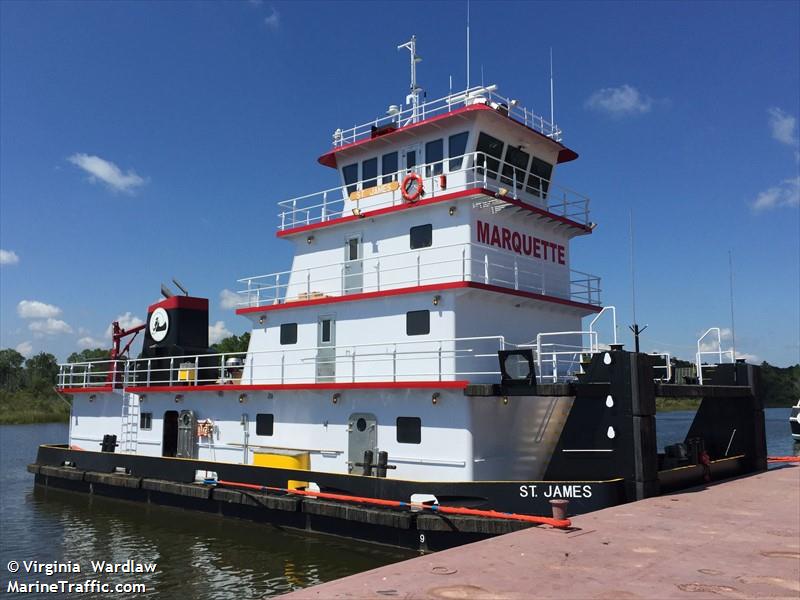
{"x": 170, "y": 482}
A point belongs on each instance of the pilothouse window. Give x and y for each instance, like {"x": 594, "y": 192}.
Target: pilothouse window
{"x": 350, "y": 173}
{"x": 456, "y": 146}
{"x": 389, "y": 167}
{"x": 369, "y": 172}
{"x": 434, "y": 153}
{"x": 539, "y": 178}
{"x": 493, "y": 149}
{"x": 515, "y": 167}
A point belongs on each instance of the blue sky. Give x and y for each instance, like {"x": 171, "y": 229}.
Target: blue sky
{"x": 144, "y": 140}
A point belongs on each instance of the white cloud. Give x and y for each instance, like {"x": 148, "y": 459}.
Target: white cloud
{"x": 125, "y": 321}
{"x": 783, "y": 126}
{"x": 273, "y": 21}
{"x": 751, "y": 358}
{"x": 8, "y": 257}
{"x": 217, "y": 332}
{"x": 25, "y": 348}
{"x": 90, "y": 342}
{"x": 620, "y": 101}
{"x": 50, "y": 326}
{"x": 229, "y": 299}
{"x": 107, "y": 172}
{"x": 33, "y": 309}
{"x": 785, "y": 194}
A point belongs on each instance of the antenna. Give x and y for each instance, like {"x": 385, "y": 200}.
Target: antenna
{"x": 166, "y": 292}
{"x": 482, "y": 85}
{"x": 552, "y": 110}
{"x": 180, "y": 287}
{"x": 635, "y": 327}
{"x": 733, "y": 326}
{"x": 413, "y": 96}
{"x": 467, "y": 44}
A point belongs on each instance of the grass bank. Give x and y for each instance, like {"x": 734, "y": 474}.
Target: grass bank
{"x": 673, "y": 404}
{"x": 24, "y": 407}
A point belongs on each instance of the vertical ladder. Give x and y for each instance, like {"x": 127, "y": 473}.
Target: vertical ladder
{"x": 130, "y": 422}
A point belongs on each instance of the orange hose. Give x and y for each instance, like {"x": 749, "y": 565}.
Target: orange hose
{"x": 453, "y": 510}
{"x": 783, "y": 459}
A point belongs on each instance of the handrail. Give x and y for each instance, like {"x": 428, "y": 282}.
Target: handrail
{"x": 322, "y": 206}
{"x": 719, "y": 352}
{"x": 453, "y": 262}
{"x": 424, "y": 358}
{"x": 470, "y": 96}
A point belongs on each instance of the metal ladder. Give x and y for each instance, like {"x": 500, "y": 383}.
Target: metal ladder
{"x": 130, "y": 422}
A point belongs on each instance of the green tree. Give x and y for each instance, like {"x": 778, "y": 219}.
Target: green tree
{"x": 12, "y": 373}
{"x": 41, "y": 371}
{"x": 234, "y": 343}
{"x": 89, "y": 355}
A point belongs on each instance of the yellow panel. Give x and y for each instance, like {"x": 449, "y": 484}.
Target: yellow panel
{"x": 300, "y": 461}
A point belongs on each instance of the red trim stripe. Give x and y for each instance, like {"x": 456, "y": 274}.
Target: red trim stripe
{"x": 444, "y": 198}
{"x": 86, "y": 390}
{"x": 364, "y": 385}
{"x": 417, "y": 290}
{"x": 187, "y": 302}
{"x": 329, "y": 158}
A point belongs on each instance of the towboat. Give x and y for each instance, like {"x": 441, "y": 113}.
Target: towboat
{"x": 430, "y": 368}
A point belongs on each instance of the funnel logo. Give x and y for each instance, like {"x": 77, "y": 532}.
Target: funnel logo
{"x": 159, "y": 324}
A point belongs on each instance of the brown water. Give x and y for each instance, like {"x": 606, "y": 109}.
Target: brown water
{"x": 199, "y": 556}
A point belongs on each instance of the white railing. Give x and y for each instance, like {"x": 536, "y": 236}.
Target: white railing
{"x": 456, "y": 262}
{"x": 475, "y": 95}
{"x": 716, "y": 351}
{"x": 472, "y": 173}
{"x": 666, "y": 367}
{"x": 473, "y": 359}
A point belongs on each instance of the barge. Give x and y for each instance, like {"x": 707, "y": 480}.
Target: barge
{"x": 430, "y": 370}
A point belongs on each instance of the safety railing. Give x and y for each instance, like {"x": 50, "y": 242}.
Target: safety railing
{"x": 99, "y": 373}
{"x": 486, "y": 95}
{"x": 472, "y": 170}
{"x": 663, "y": 371}
{"x": 439, "y": 264}
{"x": 471, "y": 358}
{"x": 714, "y": 348}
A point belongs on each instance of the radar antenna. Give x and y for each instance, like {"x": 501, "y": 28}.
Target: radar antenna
{"x": 415, "y": 90}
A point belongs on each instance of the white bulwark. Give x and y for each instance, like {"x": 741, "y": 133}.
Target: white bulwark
{"x": 446, "y": 240}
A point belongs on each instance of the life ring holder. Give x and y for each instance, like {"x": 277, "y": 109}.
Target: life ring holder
{"x": 413, "y": 197}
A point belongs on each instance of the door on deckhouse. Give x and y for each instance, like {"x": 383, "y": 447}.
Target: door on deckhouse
{"x": 326, "y": 349}
{"x": 362, "y": 447}
{"x": 353, "y": 266}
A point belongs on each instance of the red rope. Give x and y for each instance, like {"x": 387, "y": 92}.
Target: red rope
{"x": 783, "y": 459}
{"x": 453, "y": 510}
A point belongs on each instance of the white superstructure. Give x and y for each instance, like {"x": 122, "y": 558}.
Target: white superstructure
{"x": 445, "y": 241}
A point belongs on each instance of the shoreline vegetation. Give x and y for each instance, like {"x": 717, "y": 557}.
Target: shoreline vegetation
{"x": 27, "y": 394}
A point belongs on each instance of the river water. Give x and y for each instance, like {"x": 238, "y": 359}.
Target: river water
{"x": 199, "y": 556}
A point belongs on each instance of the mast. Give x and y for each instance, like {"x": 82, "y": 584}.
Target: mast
{"x": 415, "y": 90}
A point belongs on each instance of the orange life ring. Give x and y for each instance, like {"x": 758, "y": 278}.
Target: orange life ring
{"x": 411, "y": 188}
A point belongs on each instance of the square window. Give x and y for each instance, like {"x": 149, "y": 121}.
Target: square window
{"x": 418, "y": 322}
{"x": 409, "y": 430}
{"x": 421, "y": 236}
{"x": 146, "y": 420}
{"x": 265, "y": 424}
{"x": 288, "y": 333}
